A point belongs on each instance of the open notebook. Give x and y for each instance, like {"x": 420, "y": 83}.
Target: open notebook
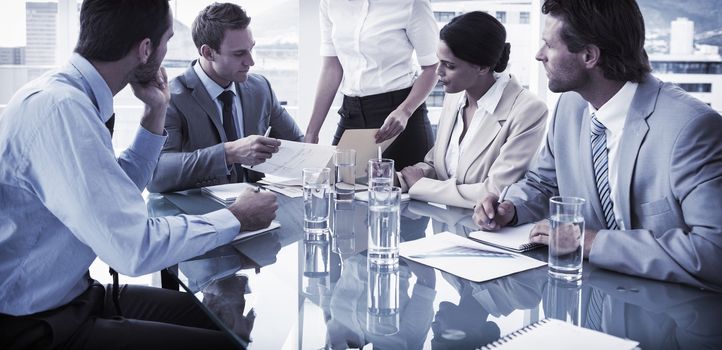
{"x": 511, "y": 238}
{"x": 554, "y": 334}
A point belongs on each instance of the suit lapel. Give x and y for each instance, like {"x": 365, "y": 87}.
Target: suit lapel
{"x": 587, "y": 166}
{"x": 201, "y": 96}
{"x": 489, "y": 128}
{"x": 635, "y": 130}
{"x": 446, "y": 126}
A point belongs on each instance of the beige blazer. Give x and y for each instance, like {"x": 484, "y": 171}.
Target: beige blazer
{"x": 506, "y": 142}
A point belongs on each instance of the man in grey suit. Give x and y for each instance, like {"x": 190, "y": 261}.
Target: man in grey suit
{"x": 218, "y": 110}
{"x": 653, "y": 198}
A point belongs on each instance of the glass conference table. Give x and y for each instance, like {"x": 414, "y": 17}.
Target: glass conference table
{"x": 284, "y": 290}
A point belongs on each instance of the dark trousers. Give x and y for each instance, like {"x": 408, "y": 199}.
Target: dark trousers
{"x": 370, "y": 112}
{"x": 153, "y": 318}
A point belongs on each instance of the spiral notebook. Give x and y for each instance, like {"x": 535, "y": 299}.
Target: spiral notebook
{"x": 511, "y": 238}
{"x": 558, "y": 335}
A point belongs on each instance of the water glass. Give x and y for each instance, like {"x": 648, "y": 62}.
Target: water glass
{"x": 383, "y": 217}
{"x": 566, "y": 239}
{"x": 382, "y": 299}
{"x": 344, "y": 161}
{"x": 380, "y": 172}
{"x": 316, "y": 200}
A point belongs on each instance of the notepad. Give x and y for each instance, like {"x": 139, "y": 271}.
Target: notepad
{"x": 511, "y": 238}
{"x": 248, "y": 234}
{"x": 554, "y": 334}
{"x": 226, "y": 194}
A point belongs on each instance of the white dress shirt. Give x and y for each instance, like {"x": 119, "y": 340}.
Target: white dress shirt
{"x": 374, "y": 40}
{"x": 215, "y": 90}
{"x": 65, "y": 198}
{"x": 486, "y": 105}
{"x": 612, "y": 115}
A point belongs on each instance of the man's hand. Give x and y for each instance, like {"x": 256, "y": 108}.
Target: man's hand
{"x": 412, "y": 175}
{"x": 394, "y": 124}
{"x": 490, "y": 215}
{"x": 254, "y": 210}
{"x": 155, "y": 95}
{"x": 567, "y": 237}
{"x": 250, "y": 150}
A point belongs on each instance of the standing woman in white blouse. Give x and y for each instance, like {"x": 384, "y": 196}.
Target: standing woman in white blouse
{"x": 367, "y": 48}
{"x": 490, "y": 127}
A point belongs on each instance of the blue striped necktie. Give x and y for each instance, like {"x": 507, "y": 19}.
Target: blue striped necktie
{"x": 601, "y": 171}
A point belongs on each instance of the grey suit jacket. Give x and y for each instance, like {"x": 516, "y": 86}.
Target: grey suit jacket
{"x": 670, "y": 185}
{"x": 193, "y": 154}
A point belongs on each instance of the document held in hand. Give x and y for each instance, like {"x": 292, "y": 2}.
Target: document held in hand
{"x": 293, "y": 156}
{"x": 363, "y": 141}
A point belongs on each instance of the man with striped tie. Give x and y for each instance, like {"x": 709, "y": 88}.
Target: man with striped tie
{"x": 645, "y": 155}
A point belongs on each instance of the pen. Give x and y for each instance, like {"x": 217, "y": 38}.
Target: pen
{"x": 258, "y": 189}
{"x": 379, "y": 152}
{"x": 501, "y": 199}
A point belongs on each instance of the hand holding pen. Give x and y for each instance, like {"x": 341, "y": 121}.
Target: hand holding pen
{"x": 493, "y": 212}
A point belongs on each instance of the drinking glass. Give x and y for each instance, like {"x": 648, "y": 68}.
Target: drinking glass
{"x": 380, "y": 172}
{"x": 566, "y": 239}
{"x": 383, "y": 217}
{"x": 316, "y": 200}
{"x": 344, "y": 161}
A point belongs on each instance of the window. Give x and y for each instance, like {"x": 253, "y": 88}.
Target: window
{"x": 501, "y": 16}
{"x": 524, "y": 17}
{"x": 444, "y": 16}
{"x": 696, "y": 87}
{"x": 687, "y": 67}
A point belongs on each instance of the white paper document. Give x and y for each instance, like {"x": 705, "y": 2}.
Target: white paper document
{"x": 364, "y": 142}
{"x": 465, "y": 258}
{"x": 513, "y": 238}
{"x": 293, "y": 156}
{"x": 364, "y": 196}
{"x": 247, "y": 234}
{"x": 226, "y": 194}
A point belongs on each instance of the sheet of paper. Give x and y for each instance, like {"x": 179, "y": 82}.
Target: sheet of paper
{"x": 363, "y": 141}
{"x": 227, "y": 193}
{"x": 465, "y": 258}
{"x": 515, "y": 238}
{"x": 293, "y": 156}
{"x": 247, "y": 234}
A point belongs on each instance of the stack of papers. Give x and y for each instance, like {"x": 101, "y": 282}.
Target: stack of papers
{"x": 226, "y": 194}
{"x": 289, "y": 187}
{"x": 512, "y": 238}
{"x": 465, "y": 258}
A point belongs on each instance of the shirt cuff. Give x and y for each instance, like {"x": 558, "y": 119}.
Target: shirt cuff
{"x": 427, "y": 60}
{"x": 147, "y": 144}
{"x": 225, "y": 224}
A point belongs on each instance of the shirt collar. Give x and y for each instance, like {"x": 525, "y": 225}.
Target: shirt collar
{"x": 614, "y": 113}
{"x": 211, "y": 86}
{"x": 490, "y": 100}
{"x": 97, "y": 86}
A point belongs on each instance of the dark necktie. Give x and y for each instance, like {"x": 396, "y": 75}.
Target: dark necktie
{"x": 110, "y": 124}
{"x": 229, "y": 124}
{"x": 601, "y": 171}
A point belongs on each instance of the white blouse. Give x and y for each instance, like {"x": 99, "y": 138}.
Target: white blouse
{"x": 374, "y": 40}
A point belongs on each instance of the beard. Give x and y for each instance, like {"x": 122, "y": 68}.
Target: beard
{"x": 147, "y": 72}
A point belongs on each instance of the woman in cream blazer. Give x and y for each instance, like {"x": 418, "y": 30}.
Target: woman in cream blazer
{"x": 490, "y": 127}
